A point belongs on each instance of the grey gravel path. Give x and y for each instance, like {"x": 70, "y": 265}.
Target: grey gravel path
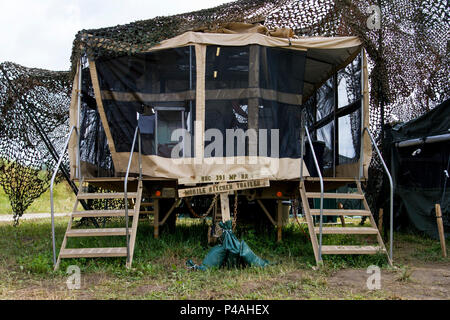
{"x": 30, "y": 216}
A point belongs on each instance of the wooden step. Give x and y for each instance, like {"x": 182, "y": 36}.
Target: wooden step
{"x": 340, "y": 212}
{"x": 351, "y": 249}
{"x": 147, "y": 204}
{"x": 102, "y": 213}
{"x": 316, "y": 195}
{"x": 119, "y": 195}
{"x": 346, "y": 230}
{"x": 94, "y": 252}
{"x": 99, "y": 232}
{"x": 147, "y": 212}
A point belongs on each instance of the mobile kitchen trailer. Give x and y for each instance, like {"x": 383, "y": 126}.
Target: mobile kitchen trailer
{"x": 262, "y": 115}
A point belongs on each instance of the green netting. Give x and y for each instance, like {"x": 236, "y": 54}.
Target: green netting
{"x": 408, "y": 54}
{"x": 33, "y": 103}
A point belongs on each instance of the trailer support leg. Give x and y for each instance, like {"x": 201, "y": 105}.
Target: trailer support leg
{"x": 156, "y": 219}
{"x": 225, "y": 206}
{"x": 279, "y": 220}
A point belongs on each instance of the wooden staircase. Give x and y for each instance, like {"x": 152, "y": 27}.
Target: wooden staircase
{"x": 314, "y": 230}
{"x": 135, "y": 197}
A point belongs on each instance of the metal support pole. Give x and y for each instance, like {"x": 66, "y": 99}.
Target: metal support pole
{"x": 302, "y": 144}
{"x": 279, "y": 220}
{"x": 336, "y": 123}
{"x": 361, "y": 152}
{"x": 321, "y": 191}
{"x": 80, "y": 70}
{"x": 391, "y": 207}
{"x": 125, "y": 187}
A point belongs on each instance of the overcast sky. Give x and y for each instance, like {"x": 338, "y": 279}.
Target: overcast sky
{"x": 40, "y": 33}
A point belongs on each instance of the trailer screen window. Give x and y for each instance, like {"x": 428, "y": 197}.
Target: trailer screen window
{"x": 226, "y": 67}
{"x": 158, "y": 85}
{"x": 250, "y": 88}
{"x": 282, "y": 70}
{"x": 284, "y": 118}
{"x": 335, "y": 116}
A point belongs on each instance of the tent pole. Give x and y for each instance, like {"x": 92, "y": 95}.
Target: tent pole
{"x": 361, "y": 153}
{"x": 79, "y": 120}
{"x": 336, "y": 123}
{"x": 302, "y": 142}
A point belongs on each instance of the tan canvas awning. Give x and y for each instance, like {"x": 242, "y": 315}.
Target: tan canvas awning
{"x": 324, "y": 57}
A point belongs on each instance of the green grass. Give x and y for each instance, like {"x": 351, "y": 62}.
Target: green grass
{"x": 425, "y": 248}
{"x": 159, "y": 270}
{"x": 63, "y": 195}
{"x": 159, "y": 264}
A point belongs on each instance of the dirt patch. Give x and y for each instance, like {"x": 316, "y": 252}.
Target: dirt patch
{"x": 421, "y": 283}
{"x": 148, "y": 288}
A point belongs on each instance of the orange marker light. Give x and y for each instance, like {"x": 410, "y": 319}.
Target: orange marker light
{"x": 158, "y": 193}
{"x": 279, "y": 194}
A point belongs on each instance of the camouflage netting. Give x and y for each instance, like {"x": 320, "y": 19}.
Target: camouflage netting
{"x": 32, "y": 102}
{"x": 408, "y": 56}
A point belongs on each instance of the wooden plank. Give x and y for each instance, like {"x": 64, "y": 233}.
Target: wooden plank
{"x": 94, "y": 252}
{"x": 351, "y": 249}
{"x": 134, "y": 226}
{"x": 441, "y": 229}
{"x": 101, "y": 110}
{"x": 340, "y": 212}
{"x": 156, "y": 219}
{"x": 263, "y": 207}
{"x": 103, "y": 232}
{"x": 341, "y": 217}
{"x": 174, "y": 206}
{"x": 347, "y": 230}
{"x": 225, "y": 187}
{"x": 310, "y": 221}
{"x": 119, "y": 195}
{"x": 146, "y": 204}
{"x": 220, "y": 178}
{"x": 380, "y": 220}
{"x": 316, "y": 195}
{"x": 279, "y": 220}
{"x": 69, "y": 226}
{"x": 101, "y": 213}
{"x": 225, "y": 206}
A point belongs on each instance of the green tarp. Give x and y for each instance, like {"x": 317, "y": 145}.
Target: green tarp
{"x": 419, "y": 205}
{"x": 230, "y": 253}
{"x": 419, "y": 171}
